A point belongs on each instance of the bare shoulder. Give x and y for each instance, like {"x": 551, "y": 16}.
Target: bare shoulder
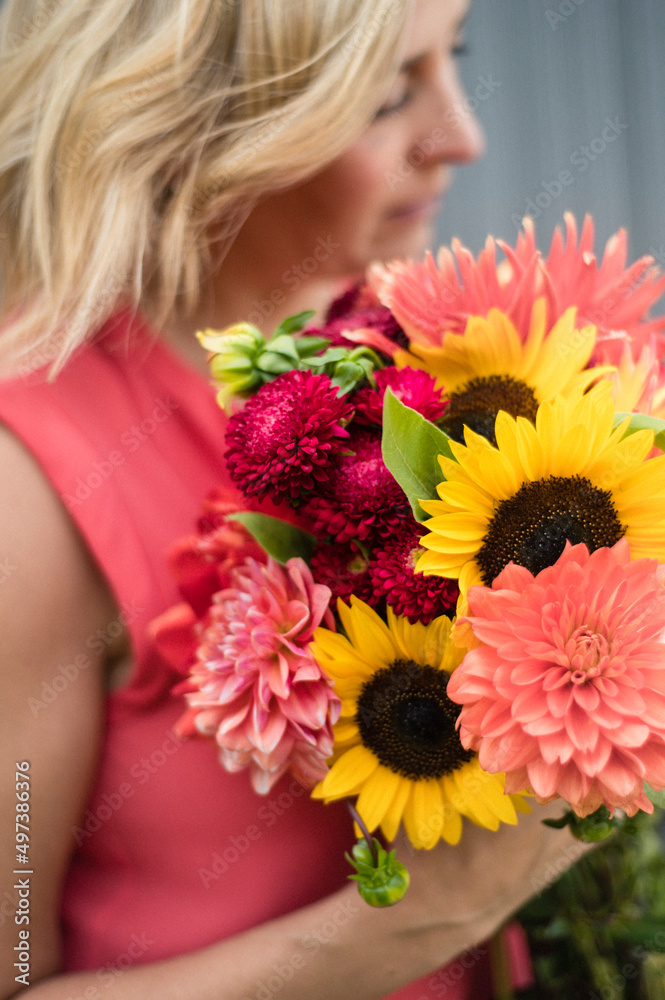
{"x": 52, "y": 598}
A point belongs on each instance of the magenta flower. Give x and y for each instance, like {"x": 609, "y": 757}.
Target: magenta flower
{"x": 358, "y": 317}
{"x": 255, "y": 685}
{"x": 566, "y": 691}
{"x": 284, "y": 439}
{"x": 414, "y": 388}
{"x": 345, "y": 570}
{"x": 362, "y": 500}
{"x": 411, "y": 595}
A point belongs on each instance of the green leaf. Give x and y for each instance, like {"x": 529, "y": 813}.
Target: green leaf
{"x": 285, "y": 345}
{"x": 346, "y": 376}
{"x": 274, "y": 364}
{"x": 658, "y": 798}
{"x": 647, "y": 932}
{"x": 308, "y": 345}
{"x": 641, "y": 421}
{"x": 294, "y": 323}
{"x": 281, "y": 540}
{"x": 331, "y": 356}
{"x": 411, "y": 446}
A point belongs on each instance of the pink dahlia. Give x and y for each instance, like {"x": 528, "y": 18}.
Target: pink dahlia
{"x": 435, "y": 296}
{"x": 283, "y": 441}
{"x": 566, "y": 690}
{"x": 615, "y": 298}
{"x": 255, "y": 686}
{"x": 411, "y": 595}
{"x": 362, "y": 500}
{"x": 414, "y": 388}
{"x": 345, "y": 570}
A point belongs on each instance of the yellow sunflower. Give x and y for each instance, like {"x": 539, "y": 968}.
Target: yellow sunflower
{"x": 396, "y": 745}
{"x": 489, "y": 368}
{"x": 571, "y": 477}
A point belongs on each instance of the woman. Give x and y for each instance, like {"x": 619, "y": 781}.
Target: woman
{"x": 185, "y": 161}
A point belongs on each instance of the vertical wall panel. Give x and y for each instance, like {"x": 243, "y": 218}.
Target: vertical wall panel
{"x": 580, "y": 99}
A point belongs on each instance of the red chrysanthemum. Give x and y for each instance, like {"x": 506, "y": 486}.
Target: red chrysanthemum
{"x": 362, "y": 500}
{"x": 283, "y": 441}
{"x": 565, "y": 691}
{"x": 345, "y": 570}
{"x": 411, "y": 595}
{"x": 414, "y": 388}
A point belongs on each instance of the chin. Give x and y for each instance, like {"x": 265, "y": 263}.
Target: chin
{"x": 413, "y": 242}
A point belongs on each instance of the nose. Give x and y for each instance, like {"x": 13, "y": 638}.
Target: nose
{"x": 450, "y": 132}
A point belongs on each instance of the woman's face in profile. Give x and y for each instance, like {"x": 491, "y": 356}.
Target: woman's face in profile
{"x": 380, "y": 198}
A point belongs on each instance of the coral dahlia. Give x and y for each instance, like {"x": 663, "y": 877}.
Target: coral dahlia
{"x": 438, "y": 295}
{"x": 566, "y": 690}
{"x": 283, "y": 441}
{"x": 255, "y": 685}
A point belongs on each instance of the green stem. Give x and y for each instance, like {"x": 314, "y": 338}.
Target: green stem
{"x": 502, "y": 985}
{"x": 357, "y": 818}
{"x": 603, "y": 971}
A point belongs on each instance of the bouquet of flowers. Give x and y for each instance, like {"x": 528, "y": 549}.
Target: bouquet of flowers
{"x": 444, "y": 590}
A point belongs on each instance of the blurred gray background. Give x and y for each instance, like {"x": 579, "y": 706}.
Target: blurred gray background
{"x": 571, "y": 95}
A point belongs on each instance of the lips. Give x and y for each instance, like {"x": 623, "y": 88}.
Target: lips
{"x": 426, "y": 207}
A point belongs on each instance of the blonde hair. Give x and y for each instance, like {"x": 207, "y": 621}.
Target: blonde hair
{"x": 128, "y": 128}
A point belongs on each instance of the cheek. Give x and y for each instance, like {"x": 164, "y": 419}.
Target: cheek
{"x": 359, "y": 182}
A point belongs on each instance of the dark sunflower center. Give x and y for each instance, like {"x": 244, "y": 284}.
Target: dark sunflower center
{"x": 532, "y": 527}
{"x": 406, "y": 718}
{"x": 477, "y": 404}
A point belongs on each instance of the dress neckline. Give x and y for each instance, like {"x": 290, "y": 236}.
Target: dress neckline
{"x": 134, "y": 335}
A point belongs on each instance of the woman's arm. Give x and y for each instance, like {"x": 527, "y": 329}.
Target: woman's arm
{"x": 51, "y": 600}
{"x": 340, "y": 948}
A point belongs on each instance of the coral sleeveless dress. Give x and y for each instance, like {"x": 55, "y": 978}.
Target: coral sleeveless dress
{"x": 172, "y": 853}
